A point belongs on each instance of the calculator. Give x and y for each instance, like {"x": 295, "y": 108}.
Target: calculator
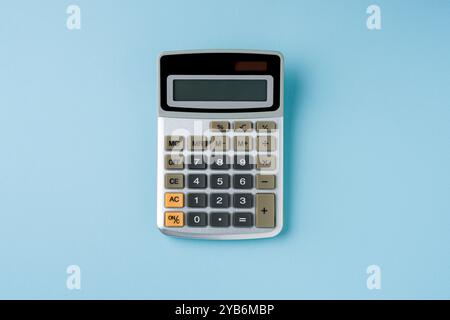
{"x": 220, "y": 144}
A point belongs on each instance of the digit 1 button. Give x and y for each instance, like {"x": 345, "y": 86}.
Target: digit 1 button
{"x": 265, "y": 210}
{"x": 174, "y": 181}
{"x": 174, "y": 200}
{"x": 197, "y": 200}
{"x": 197, "y": 219}
{"x": 174, "y": 219}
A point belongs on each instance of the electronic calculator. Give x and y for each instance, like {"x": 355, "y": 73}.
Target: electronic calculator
{"x": 220, "y": 144}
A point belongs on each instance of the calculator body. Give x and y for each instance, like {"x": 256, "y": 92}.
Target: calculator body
{"x": 220, "y": 144}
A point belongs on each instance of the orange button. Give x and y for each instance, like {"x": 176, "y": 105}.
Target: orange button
{"x": 174, "y": 219}
{"x": 174, "y": 200}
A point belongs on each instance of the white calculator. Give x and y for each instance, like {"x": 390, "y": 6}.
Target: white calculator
{"x": 220, "y": 144}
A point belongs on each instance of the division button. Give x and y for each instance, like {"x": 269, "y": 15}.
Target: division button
{"x": 265, "y": 210}
{"x": 265, "y": 143}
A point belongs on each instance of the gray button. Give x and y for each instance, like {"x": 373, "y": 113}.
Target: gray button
{"x": 197, "y": 162}
{"x": 243, "y": 126}
{"x": 243, "y": 181}
{"x": 243, "y": 219}
{"x": 220, "y": 200}
{"x": 220, "y": 219}
{"x": 243, "y": 162}
{"x": 197, "y": 200}
{"x": 197, "y": 219}
{"x": 220, "y": 181}
{"x": 265, "y": 210}
{"x": 197, "y": 181}
{"x": 220, "y": 162}
{"x": 266, "y": 125}
{"x": 243, "y": 200}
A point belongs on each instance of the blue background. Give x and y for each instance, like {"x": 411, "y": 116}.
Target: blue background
{"x": 367, "y": 150}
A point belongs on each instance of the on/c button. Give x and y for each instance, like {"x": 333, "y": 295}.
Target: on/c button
{"x": 174, "y": 200}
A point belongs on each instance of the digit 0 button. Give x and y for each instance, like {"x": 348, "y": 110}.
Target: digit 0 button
{"x": 174, "y": 219}
{"x": 174, "y": 200}
{"x": 265, "y": 210}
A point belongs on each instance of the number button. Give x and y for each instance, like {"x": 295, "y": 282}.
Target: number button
{"x": 220, "y": 162}
{"x": 220, "y": 219}
{"x": 243, "y": 200}
{"x": 197, "y": 200}
{"x": 197, "y": 219}
{"x": 220, "y": 200}
{"x": 242, "y": 181}
{"x": 243, "y": 162}
{"x": 197, "y": 181}
{"x": 197, "y": 162}
{"x": 220, "y": 181}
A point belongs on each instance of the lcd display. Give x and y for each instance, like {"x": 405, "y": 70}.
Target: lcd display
{"x": 219, "y": 90}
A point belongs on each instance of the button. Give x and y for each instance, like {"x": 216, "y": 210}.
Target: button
{"x": 174, "y": 181}
{"x": 242, "y": 143}
{"x": 220, "y": 200}
{"x": 265, "y": 143}
{"x": 265, "y": 210}
{"x": 243, "y": 200}
{"x": 198, "y": 162}
{"x": 265, "y": 181}
{"x": 197, "y": 200}
{"x": 220, "y": 219}
{"x": 243, "y": 162}
{"x": 219, "y": 125}
{"x": 197, "y": 181}
{"x": 174, "y": 219}
{"x": 265, "y": 162}
{"x": 197, "y": 143}
{"x": 174, "y": 143}
{"x": 266, "y": 125}
{"x": 174, "y": 161}
{"x": 220, "y": 181}
{"x": 197, "y": 219}
{"x": 220, "y": 162}
{"x": 243, "y": 219}
{"x": 243, "y": 126}
{"x": 220, "y": 143}
{"x": 243, "y": 181}
{"x": 174, "y": 200}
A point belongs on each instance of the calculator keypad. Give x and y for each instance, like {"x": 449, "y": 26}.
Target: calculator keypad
{"x": 223, "y": 179}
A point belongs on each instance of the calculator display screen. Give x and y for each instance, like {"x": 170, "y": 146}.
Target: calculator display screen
{"x": 219, "y": 90}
